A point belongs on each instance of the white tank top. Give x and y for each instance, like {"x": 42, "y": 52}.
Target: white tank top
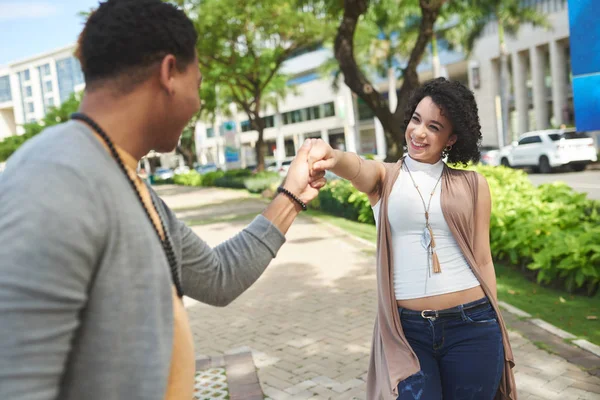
{"x": 413, "y": 274}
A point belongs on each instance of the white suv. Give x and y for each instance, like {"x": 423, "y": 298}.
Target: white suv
{"x": 544, "y": 150}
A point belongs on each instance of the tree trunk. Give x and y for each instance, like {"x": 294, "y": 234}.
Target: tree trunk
{"x": 260, "y": 151}
{"x": 188, "y": 155}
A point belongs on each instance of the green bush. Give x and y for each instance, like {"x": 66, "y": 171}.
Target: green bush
{"x": 209, "y": 178}
{"x": 191, "y": 178}
{"x": 159, "y": 181}
{"x": 261, "y": 181}
{"x": 340, "y": 198}
{"x": 551, "y": 230}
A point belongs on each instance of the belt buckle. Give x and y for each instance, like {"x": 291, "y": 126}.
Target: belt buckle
{"x": 427, "y": 317}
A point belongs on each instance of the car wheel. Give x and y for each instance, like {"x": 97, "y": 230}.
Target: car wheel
{"x": 504, "y": 162}
{"x": 578, "y": 167}
{"x": 544, "y": 165}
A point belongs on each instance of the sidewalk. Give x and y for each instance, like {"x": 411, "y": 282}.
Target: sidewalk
{"x": 308, "y": 321}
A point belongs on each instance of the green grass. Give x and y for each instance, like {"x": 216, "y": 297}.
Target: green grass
{"x": 566, "y": 311}
{"x": 557, "y": 307}
{"x": 220, "y": 219}
{"x": 363, "y": 231}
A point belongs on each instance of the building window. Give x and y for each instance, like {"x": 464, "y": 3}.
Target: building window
{"x": 29, "y": 107}
{"x": 25, "y": 75}
{"x": 28, "y": 91}
{"x": 364, "y": 111}
{"x": 245, "y": 126}
{"x": 210, "y": 132}
{"x": 313, "y": 113}
{"x": 308, "y": 114}
{"x": 49, "y": 102}
{"x": 45, "y": 70}
{"x": 328, "y": 110}
{"x": 69, "y": 75}
{"x": 5, "y": 94}
{"x": 269, "y": 121}
{"x": 48, "y": 87}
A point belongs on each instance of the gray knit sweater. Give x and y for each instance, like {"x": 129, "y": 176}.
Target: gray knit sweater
{"x": 85, "y": 289}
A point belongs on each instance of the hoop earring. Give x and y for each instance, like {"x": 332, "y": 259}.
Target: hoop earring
{"x": 448, "y": 149}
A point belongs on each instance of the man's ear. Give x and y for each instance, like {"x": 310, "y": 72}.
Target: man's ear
{"x": 168, "y": 69}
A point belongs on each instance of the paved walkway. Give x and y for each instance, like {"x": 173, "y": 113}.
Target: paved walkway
{"x": 308, "y": 320}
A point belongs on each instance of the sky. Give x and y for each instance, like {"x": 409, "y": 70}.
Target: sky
{"x": 31, "y": 27}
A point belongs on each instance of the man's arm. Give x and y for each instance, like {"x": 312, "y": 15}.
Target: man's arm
{"x": 48, "y": 251}
{"x": 218, "y": 276}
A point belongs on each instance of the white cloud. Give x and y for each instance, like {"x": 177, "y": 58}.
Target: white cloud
{"x": 26, "y": 10}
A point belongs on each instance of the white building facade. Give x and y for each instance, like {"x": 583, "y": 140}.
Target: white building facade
{"x": 541, "y": 93}
{"x": 28, "y": 88}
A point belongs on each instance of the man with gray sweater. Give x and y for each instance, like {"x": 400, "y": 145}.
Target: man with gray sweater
{"x": 93, "y": 264}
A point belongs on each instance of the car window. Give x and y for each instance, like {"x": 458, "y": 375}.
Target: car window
{"x": 569, "y": 135}
{"x": 530, "y": 139}
{"x": 576, "y": 135}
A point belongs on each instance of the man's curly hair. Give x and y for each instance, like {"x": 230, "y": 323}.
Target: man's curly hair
{"x": 458, "y": 105}
{"x": 123, "y": 39}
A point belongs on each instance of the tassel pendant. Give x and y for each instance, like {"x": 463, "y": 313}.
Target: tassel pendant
{"x": 434, "y": 258}
{"x": 436, "y": 263}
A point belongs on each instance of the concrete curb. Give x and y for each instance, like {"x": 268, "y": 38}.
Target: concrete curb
{"x": 581, "y": 343}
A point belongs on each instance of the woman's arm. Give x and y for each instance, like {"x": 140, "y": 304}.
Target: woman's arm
{"x": 483, "y": 253}
{"x": 365, "y": 175}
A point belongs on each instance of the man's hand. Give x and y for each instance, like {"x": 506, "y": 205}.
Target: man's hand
{"x": 299, "y": 181}
{"x": 322, "y": 157}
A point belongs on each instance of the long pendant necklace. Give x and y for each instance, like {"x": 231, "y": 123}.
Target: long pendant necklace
{"x": 166, "y": 243}
{"x": 427, "y": 239}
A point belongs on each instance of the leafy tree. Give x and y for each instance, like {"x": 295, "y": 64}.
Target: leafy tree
{"x": 54, "y": 116}
{"x": 242, "y": 46}
{"x": 356, "y": 79}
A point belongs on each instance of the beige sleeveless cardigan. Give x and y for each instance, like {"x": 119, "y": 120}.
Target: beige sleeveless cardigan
{"x": 392, "y": 359}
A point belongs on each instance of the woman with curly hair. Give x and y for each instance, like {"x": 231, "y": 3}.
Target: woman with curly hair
{"x": 439, "y": 333}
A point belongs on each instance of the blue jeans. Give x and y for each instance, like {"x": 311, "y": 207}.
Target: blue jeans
{"x": 460, "y": 352}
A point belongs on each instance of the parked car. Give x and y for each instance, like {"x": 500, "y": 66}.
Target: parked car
{"x": 285, "y": 166}
{"x": 203, "y": 169}
{"x": 490, "y": 155}
{"x": 164, "y": 173}
{"x": 547, "y": 149}
{"x": 182, "y": 169}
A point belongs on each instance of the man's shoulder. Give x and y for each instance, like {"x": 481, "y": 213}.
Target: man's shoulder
{"x": 60, "y": 162}
{"x": 69, "y": 145}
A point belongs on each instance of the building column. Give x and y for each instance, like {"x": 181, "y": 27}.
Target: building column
{"x": 325, "y": 135}
{"x": 559, "y": 80}
{"x": 380, "y": 139}
{"x": 347, "y": 107}
{"x": 519, "y": 67}
{"x": 538, "y": 72}
{"x": 279, "y": 139}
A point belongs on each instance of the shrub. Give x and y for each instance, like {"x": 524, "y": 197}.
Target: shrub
{"x": 209, "y": 178}
{"x": 262, "y": 181}
{"x": 191, "y": 178}
{"x": 342, "y": 199}
{"x": 550, "y": 230}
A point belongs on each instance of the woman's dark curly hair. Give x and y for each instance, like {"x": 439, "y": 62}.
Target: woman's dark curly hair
{"x": 458, "y": 105}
